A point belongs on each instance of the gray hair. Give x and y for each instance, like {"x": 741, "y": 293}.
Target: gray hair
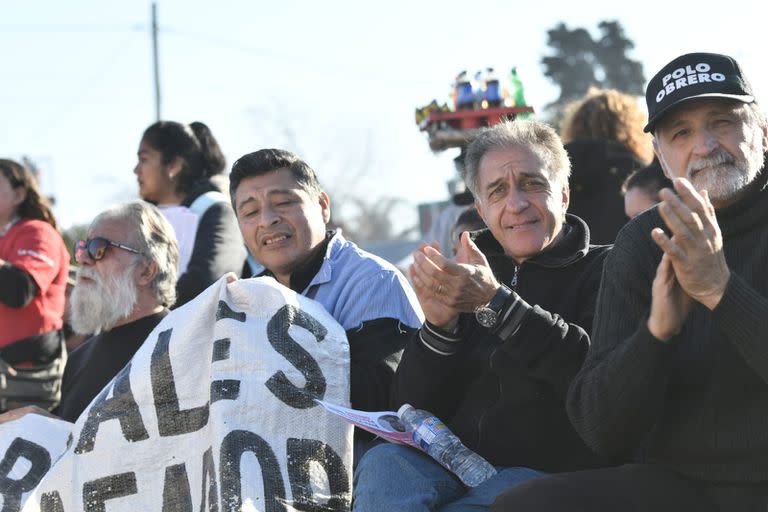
{"x": 154, "y": 236}
{"x": 752, "y": 113}
{"x": 538, "y": 137}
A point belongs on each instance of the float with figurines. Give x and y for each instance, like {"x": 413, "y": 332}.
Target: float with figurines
{"x": 476, "y": 102}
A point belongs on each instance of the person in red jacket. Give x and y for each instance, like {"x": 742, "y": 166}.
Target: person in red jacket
{"x": 34, "y": 264}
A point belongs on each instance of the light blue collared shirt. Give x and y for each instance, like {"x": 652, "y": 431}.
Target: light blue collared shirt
{"x": 356, "y": 286}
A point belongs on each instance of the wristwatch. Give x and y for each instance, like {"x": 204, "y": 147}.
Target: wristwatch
{"x": 488, "y": 315}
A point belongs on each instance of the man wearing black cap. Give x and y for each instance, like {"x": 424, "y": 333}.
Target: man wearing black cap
{"x": 676, "y": 380}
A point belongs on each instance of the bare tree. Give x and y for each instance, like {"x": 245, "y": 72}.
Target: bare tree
{"x": 344, "y": 171}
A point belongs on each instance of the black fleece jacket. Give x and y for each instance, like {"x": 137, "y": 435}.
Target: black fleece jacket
{"x": 218, "y": 249}
{"x": 503, "y": 392}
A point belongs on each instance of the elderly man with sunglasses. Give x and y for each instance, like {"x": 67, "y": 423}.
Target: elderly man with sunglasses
{"x": 125, "y": 284}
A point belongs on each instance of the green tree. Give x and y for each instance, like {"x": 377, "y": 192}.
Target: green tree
{"x": 611, "y": 50}
{"x": 578, "y": 61}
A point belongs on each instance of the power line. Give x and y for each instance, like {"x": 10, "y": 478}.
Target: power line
{"x": 305, "y": 61}
{"x": 232, "y": 44}
{"x": 55, "y": 28}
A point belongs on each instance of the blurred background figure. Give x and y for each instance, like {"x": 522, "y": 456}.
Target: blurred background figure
{"x": 180, "y": 170}
{"x": 469, "y": 220}
{"x": 34, "y": 265}
{"x": 641, "y": 188}
{"x": 441, "y": 230}
{"x": 603, "y": 134}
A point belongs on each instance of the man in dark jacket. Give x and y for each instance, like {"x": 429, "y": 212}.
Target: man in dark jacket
{"x": 125, "y": 283}
{"x": 677, "y": 373}
{"x": 506, "y": 330}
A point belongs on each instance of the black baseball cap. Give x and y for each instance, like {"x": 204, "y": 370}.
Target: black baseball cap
{"x": 692, "y": 76}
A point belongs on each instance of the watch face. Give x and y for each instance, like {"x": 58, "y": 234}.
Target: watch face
{"x": 486, "y": 316}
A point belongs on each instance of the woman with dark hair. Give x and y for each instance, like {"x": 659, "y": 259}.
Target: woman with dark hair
{"x": 178, "y": 170}
{"x": 34, "y": 265}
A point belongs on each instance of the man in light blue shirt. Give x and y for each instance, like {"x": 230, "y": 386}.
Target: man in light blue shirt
{"x": 283, "y": 214}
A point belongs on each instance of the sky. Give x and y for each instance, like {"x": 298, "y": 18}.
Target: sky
{"x": 334, "y": 81}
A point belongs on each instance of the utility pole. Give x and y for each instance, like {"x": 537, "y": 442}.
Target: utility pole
{"x": 156, "y": 63}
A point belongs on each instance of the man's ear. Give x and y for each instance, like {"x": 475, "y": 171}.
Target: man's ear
{"x": 662, "y": 162}
{"x": 147, "y": 272}
{"x": 566, "y": 196}
{"x": 325, "y": 206}
{"x": 479, "y": 208}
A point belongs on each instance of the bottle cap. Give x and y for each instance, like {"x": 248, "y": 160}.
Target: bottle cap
{"x": 402, "y": 410}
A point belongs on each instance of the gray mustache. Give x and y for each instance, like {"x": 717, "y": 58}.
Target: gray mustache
{"x": 720, "y": 158}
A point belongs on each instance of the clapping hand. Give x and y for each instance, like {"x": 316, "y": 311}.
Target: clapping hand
{"x": 446, "y": 288}
{"x": 693, "y": 267}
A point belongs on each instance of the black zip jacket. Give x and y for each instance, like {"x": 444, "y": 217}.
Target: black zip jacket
{"x": 503, "y": 392}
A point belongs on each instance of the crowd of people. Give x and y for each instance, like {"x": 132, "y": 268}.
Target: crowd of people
{"x": 599, "y": 364}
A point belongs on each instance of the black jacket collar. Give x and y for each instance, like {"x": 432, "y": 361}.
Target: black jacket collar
{"x": 571, "y": 245}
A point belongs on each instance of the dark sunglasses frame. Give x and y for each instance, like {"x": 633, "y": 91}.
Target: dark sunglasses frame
{"x": 97, "y": 247}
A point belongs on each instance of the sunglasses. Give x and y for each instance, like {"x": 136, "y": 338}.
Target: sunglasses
{"x": 96, "y": 247}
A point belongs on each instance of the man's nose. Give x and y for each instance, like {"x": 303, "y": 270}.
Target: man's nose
{"x": 704, "y": 143}
{"x": 83, "y": 258}
{"x": 517, "y": 200}
{"x": 268, "y": 217}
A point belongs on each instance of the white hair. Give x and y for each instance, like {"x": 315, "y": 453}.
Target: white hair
{"x": 154, "y": 237}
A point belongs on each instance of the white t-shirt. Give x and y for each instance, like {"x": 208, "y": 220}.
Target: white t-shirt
{"x": 184, "y": 222}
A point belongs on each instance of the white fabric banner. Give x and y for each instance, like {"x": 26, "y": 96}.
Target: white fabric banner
{"x": 216, "y": 411}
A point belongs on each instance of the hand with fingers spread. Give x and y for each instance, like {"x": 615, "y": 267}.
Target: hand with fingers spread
{"x": 695, "y": 249}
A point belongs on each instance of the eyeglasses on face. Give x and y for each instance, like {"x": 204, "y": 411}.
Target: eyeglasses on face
{"x": 96, "y": 247}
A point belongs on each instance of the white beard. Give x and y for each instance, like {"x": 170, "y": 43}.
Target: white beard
{"x": 722, "y": 175}
{"x": 98, "y": 306}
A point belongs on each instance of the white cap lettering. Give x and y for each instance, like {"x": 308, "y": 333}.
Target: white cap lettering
{"x": 683, "y": 77}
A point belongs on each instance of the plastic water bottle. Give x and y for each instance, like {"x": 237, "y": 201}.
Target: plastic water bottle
{"x": 445, "y": 447}
{"x": 491, "y": 89}
{"x": 465, "y": 95}
{"x": 517, "y": 88}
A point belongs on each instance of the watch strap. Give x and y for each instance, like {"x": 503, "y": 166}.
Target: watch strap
{"x": 499, "y": 300}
